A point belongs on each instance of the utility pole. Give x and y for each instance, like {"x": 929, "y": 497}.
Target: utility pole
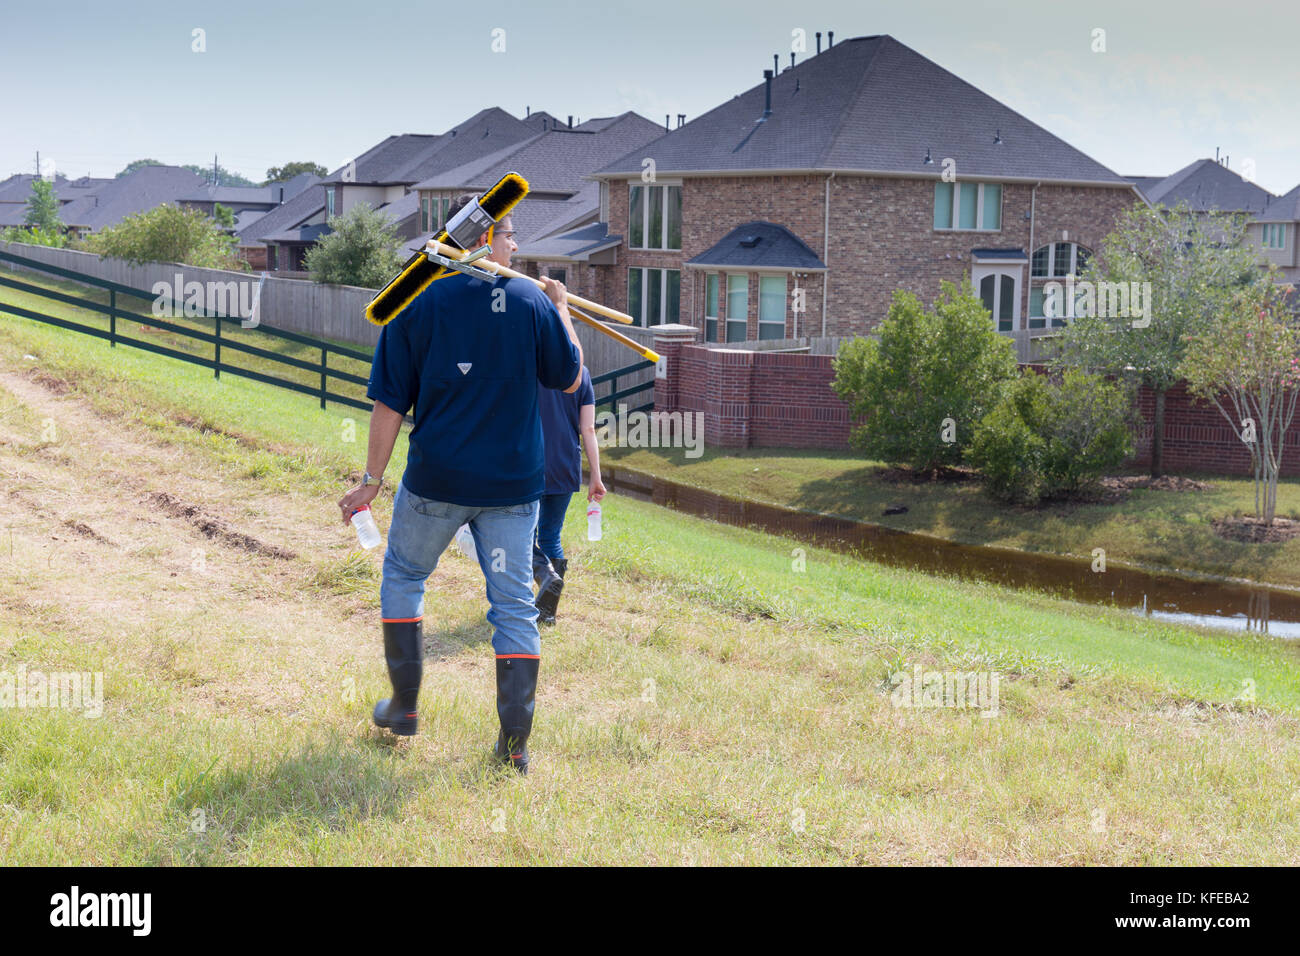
{"x": 38, "y": 163}
{"x": 214, "y": 169}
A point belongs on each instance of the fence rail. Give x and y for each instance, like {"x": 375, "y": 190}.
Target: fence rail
{"x": 115, "y": 312}
{"x": 615, "y": 394}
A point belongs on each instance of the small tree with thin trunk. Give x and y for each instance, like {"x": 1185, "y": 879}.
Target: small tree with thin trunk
{"x": 1195, "y": 264}
{"x": 1249, "y": 367}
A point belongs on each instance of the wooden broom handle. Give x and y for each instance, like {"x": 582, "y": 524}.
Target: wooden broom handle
{"x": 453, "y": 253}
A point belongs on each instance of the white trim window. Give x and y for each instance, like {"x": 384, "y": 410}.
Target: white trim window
{"x": 771, "y": 307}
{"x": 1274, "y": 235}
{"x": 329, "y": 203}
{"x": 604, "y": 201}
{"x": 1054, "y": 261}
{"x": 654, "y": 295}
{"x": 654, "y": 217}
{"x": 967, "y": 207}
{"x": 737, "y": 306}
{"x": 711, "y": 307}
{"x": 999, "y": 289}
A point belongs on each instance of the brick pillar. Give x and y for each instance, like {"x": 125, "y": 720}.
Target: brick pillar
{"x": 669, "y": 341}
{"x": 727, "y": 406}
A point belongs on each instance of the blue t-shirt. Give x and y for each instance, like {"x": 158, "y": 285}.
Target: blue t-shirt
{"x": 561, "y": 429}
{"x": 471, "y": 372}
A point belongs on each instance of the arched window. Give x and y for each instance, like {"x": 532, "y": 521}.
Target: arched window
{"x": 1053, "y": 262}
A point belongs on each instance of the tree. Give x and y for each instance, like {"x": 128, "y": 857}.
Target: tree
{"x": 137, "y": 164}
{"x": 43, "y": 207}
{"x": 1251, "y": 360}
{"x": 282, "y": 174}
{"x": 1194, "y": 263}
{"x": 919, "y": 389}
{"x": 224, "y": 215}
{"x": 224, "y": 176}
{"x": 363, "y": 250}
{"x": 169, "y": 233}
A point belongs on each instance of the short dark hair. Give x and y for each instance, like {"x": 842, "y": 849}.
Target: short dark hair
{"x": 459, "y": 203}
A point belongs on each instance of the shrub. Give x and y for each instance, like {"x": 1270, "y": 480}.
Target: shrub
{"x": 363, "y": 250}
{"x": 1048, "y": 440}
{"x": 920, "y": 388}
{"x": 169, "y": 233}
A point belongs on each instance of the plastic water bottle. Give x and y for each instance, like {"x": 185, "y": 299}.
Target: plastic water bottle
{"x": 465, "y": 541}
{"x": 364, "y": 522}
{"x": 593, "y": 520}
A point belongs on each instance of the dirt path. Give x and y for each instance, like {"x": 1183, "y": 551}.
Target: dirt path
{"x": 110, "y": 535}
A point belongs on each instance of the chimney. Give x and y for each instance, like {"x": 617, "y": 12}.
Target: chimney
{"x": 830, "y": 39}
{"x": 570, "y": 121}
{"x": 819, "y": 41}
{"x": 767, "y": 98}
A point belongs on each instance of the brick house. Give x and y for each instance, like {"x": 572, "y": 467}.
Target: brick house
{"x": 799, "y": 206}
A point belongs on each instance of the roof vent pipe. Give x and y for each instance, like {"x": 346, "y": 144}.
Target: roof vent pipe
{"x": 767, "y": 98}
{"x": 819, "y": 41}
{"x": 830, "y": 39}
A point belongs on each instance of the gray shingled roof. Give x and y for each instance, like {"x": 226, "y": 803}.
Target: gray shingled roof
{"x": 553, "y": 162}
{"x": 760, "y": 245}
{"x": 869, "y": 104}
{"x": 1284, "y": 209}
{"x": 139, "y": 191}
{"x": 292, "y": 212}
{"x": 231, "y": 194}
{"x": 574, "y": 244}
{"x": 1205, "y": 185}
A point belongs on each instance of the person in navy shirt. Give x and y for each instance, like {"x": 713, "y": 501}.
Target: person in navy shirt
{"x": 467, "y": 356}
{"x": 565, "y": 418}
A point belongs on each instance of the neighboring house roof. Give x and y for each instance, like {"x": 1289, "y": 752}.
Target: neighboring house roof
{"x": 539, "y": 119}
{"x": 292, "y": 212}
{"x": 1145, "y": 183}
{"x": 411, "y": 157}
{"x": 18, "y": 188}
{"x": 869, "y": 105}
{"x": 574, "y": 244}
{"x": 247, "y": 217}
{"x": 300, "y": 233}
{"x": 231, "y": 194}
{"x": 138, "y": 191}
{"x": 1284, "y": 209}
{"x": 760, "y": 245}
{"x": 1206, "y": 185}
{"x": 553, "y": 162}
{"x": 402, "y": 209}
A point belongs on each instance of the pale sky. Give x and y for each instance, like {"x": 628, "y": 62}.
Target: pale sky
{"x": 95, "y": 85}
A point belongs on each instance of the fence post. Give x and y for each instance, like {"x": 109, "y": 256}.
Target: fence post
{"x": 112, "y": 318}
{"x": 216, "y": 369}
{"x": 323, "y": 356}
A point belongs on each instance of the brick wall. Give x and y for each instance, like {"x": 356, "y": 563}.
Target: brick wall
{"x": 881, "y": 239}
{"x": 784, "y": 400}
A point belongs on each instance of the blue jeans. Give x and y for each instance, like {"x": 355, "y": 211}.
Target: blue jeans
{"x": 421, "y": 530}
{"x": 550, "y": 522}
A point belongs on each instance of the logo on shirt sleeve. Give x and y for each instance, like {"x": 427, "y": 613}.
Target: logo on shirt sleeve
{"x": 464, "y": 367}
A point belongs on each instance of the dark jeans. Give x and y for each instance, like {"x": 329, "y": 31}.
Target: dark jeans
{"x": 550, "y": 521}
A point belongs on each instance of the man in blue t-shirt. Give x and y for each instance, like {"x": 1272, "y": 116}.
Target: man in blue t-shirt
{"x": 467, "y": 355}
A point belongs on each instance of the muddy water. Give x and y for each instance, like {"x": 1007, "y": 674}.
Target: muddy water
{"x": 1272, "y": 611}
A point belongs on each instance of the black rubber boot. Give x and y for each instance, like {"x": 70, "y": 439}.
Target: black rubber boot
{"x": 516, "y": 690}
{"x": 404, "y": 650}
{"x": 549, "y": 586}
{"x": 561, "y": 565}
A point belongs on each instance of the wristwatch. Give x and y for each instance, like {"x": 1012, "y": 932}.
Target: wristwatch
{"x": 369, "y": 479}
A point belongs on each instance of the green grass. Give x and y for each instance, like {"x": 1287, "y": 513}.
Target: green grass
{"x": 707, "y": 697}
{"x": 1152, "y": 528}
